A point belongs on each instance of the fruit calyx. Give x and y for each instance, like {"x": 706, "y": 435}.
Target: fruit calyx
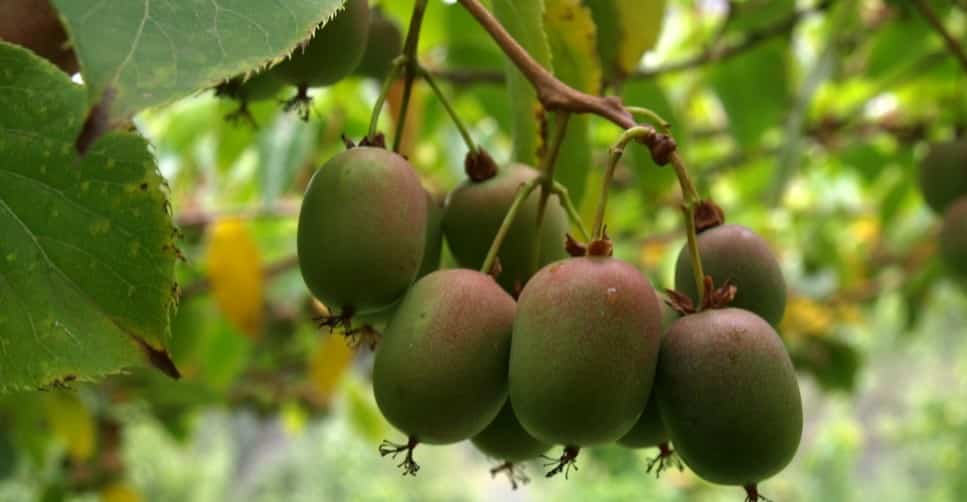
{"x": 752, "y": 493}
{"x": 515, "y": 474}
{"x": 408, "y": 465}
{"x": 666, "y": 458}
{"x": 301, "y": 102}
{"x": 597, "y": 247}
{"x": 708, "y": 215}
{"x": 564, "y": 463}
{"x": 479, "y": 165}
{"x": 713, "y": 298}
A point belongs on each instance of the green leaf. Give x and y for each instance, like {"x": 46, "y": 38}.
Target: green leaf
{"x": 150, "y": 52}
{"x": 640, "y": 24}
{"x": 626, "y": 30}
{"x": 571, "y": 36}
{"x": 525, "y": 22}
{"x": 752, "y": 105}
{"x": 87, "y": 255}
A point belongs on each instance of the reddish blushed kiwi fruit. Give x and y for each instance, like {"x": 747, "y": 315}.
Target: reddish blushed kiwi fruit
{"x": 735, "y": 253}
{"x": 953, "y": 237}
{"x": 475, "y": 211}
{"x": 334, "y": 50}
{"x": 584, "y": 350}
{"x": 506, "y": 440}
{"x": 434, "y": 236}
{"x": 440, "y": 372}
{"x": 728, "y": 396}
{"x": 943, "y": 174}
{"x": 384, "y": 44}
{"x": 34, "y": 24}
{"x": 649, "y": 430}
{"x": 362, "y": 230}
{"x": 431, "y": 259}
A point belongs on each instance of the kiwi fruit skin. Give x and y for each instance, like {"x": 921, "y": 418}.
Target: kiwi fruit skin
{"x": 384, "y": 44}
{"x": 475, "y": 211}
{"x": 506, "y": 440}
{"x": 334, "y": 50}
{"x": 728, "y": 396}
{"x": 943, "y": 174}
{"x": 736, "y": 253}
{"x": 440, "y": 371}
{"x": 431, "y": 261}
{"x": 362, "y": 230}
{"x": 584, "y": 350}
{"x": 649, "y": 430}
{"x": 953, "y": 238}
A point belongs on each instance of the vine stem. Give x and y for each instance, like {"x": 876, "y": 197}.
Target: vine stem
{"x": 691, "y": 200}
{"x": 614, "y": 155}
{"x": 551, "y": 92}
{"x": 523, "y": 192}
{"x": 394, "y": 73}
{"x": 572, "y": 212}
{"x": 409, "y": 68}
{"x": 547, "y": 167}
{"x": 651, "y": 116}
{"x": 446, "y": 105}
{"x": 952, "y": 44}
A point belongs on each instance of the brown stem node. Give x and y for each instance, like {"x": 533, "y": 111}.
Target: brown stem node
{"x": 479, "y": 165}
{"x": 573, "y": 247}
{"x": 708, "y": 215}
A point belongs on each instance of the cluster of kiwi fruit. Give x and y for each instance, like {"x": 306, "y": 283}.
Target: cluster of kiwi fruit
{"x": 943, "y": 182}
{"x": 560, "y": 343}
{"x": 356, "y": 41}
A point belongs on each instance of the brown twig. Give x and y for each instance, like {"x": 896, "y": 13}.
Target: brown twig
{"x": 553, "y": 94}
{"x": 710, "y": 55}
{"x": 952, "y": 44}
{"x": 409, "y": 68}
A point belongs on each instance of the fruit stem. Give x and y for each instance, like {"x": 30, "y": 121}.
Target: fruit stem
{"x": 614, "y": 155}
{"x": 446, "y": 105}
{"x": 394, "y": 73}
{"x": 548, "y": 163}
{"x": 691, "y": 198}
{"x": 409, "y": 69}
{"x": 653, "y": 117}
{"x": 523, "y": 192}
{"x": 572, "y": 212}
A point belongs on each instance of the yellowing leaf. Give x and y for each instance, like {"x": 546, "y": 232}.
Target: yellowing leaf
{"x": 806, "y": 317}
{"x": 640, "y": 25}
{"x": 120, "y": 492}
{"x": 71, "y": 423}
{"x": 652, "y": 252}
{"x": 235, "y": 272}
{"x": 327, "y": 365}
{"x": 571, "y": 37}
{"x": 525, "y": 22}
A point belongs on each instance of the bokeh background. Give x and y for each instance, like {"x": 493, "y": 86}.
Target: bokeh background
{"x": 811, "y": 133}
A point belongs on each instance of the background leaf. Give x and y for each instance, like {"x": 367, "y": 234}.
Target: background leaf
{"x": 151, "y": 52}
{"x": 87, "y": 255}
{"x": 525, "y": 21}
{"x": 571, "y": 36}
